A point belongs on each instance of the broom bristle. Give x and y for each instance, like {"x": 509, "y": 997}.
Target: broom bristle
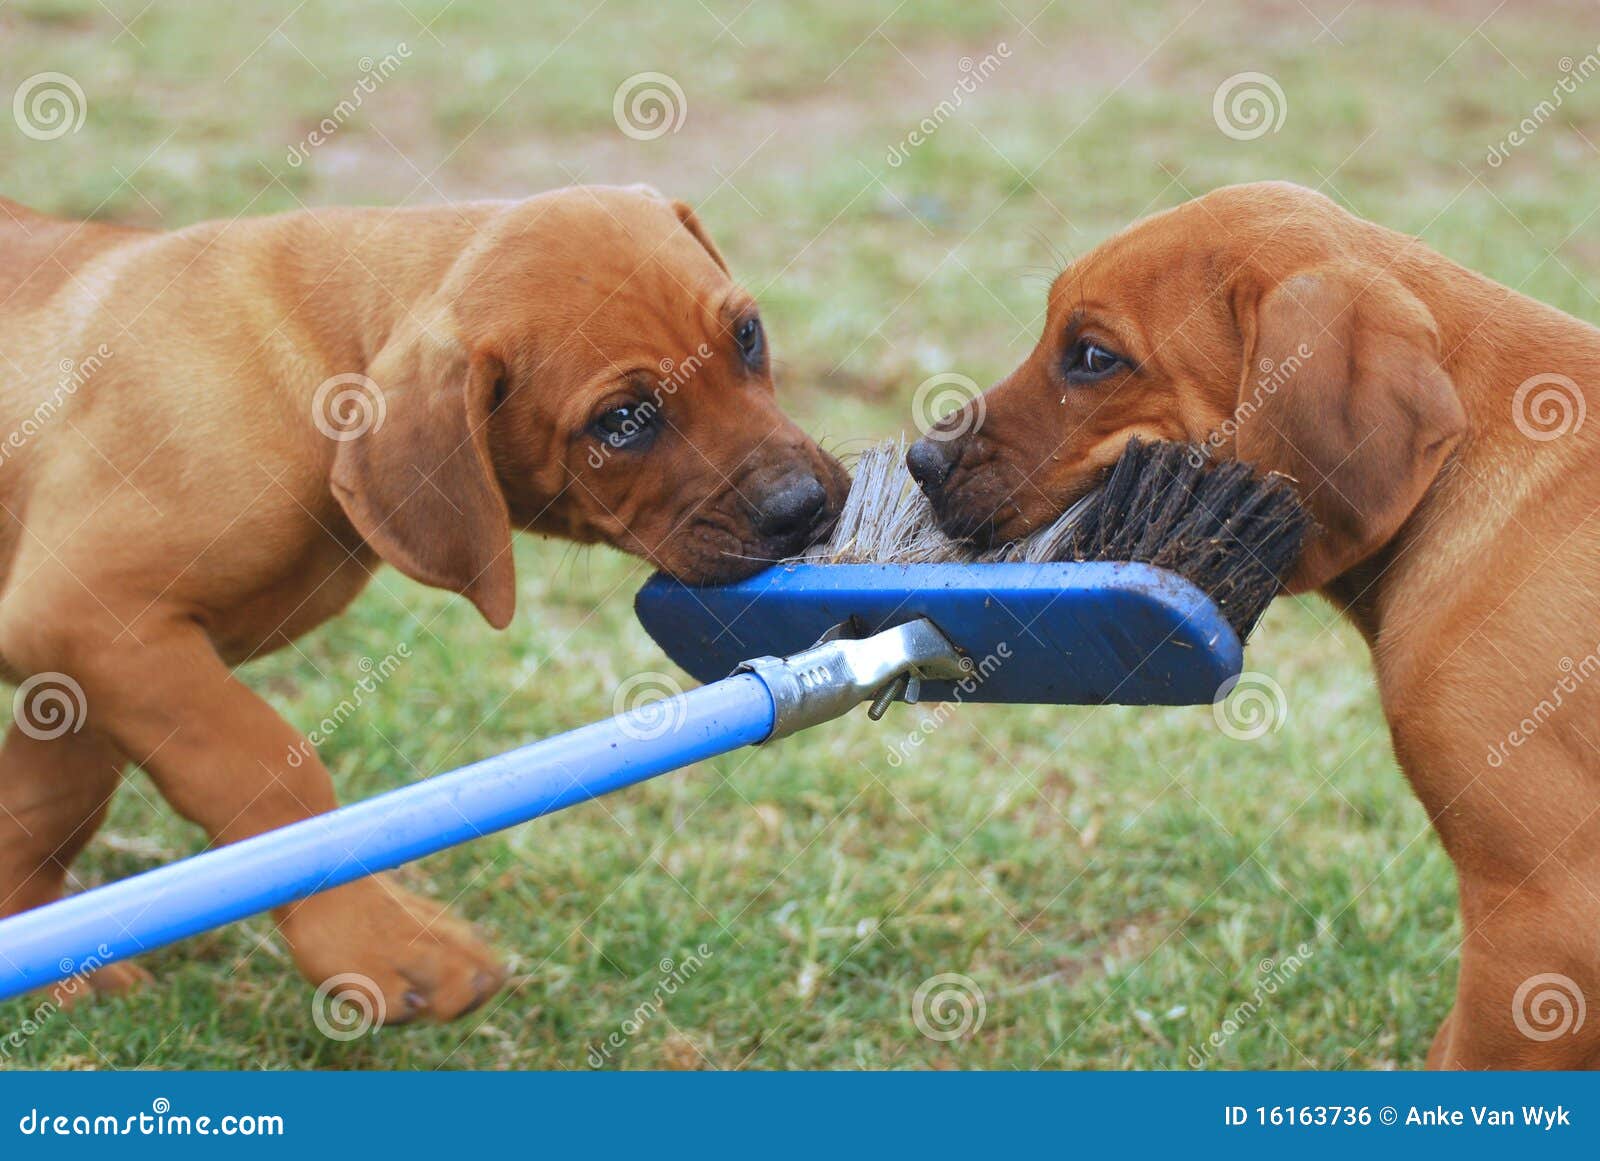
{"x": 1233, "y": 532}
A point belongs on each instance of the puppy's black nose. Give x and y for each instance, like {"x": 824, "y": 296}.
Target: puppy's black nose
{"x": 792, "y": 506}
{"x": 929, "y": 462}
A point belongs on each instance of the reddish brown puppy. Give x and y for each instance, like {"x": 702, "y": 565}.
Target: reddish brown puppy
{"x": 1433, "y": 421}
{"x": 218, "y": 433}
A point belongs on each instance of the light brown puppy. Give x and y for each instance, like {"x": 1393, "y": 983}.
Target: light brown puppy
{"x": 217, "y": 434}
{"x": 1433, "y": 420}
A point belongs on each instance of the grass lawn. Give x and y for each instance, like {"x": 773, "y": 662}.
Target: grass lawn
{"x": 1118, "y": 887}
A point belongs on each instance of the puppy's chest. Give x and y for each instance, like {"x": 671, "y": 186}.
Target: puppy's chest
{"x": 290, "y": 605}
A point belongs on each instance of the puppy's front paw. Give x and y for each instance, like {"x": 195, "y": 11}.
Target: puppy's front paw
{"x": 396, "y": 955}
{"x": 114, "y": 979}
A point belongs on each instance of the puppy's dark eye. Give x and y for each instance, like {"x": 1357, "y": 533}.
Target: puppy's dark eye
{"x": 1089, "y": 362}
{"x": 626, "y": 426}
{"x": 752, "y": 342}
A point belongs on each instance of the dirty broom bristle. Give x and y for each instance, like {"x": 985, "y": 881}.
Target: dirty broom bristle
{"x": 1233, "y": 532}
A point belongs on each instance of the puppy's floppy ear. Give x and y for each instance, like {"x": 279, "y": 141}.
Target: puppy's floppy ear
{"x": 1343, "y": 391}
{"x": 419, "y": 486}
{"x": 691, "y": 223}
{"x": 686, "y": 215}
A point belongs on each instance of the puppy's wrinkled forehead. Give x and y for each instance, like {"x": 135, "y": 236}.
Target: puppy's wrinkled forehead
{"x": 602, "y": 280}
{"x": 1141, "y": 268}
{"x": 613, "y": 265}
{"x": 1169, "y": 281}
{"x": 1208, "y": 241}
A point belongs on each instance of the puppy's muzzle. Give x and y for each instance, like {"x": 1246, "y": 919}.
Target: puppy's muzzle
{"x": 791, "y": 510}
{"x": 929, "y": 462}
{"x": 968, "y": 507}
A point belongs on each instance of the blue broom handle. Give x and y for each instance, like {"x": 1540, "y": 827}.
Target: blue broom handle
{"x": 256, "y": 874}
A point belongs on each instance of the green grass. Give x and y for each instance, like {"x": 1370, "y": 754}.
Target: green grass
{"x": 1111, "y": 880}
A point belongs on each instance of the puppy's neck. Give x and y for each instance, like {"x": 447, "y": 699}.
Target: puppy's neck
{"x": 1515, "y": 510}
{"x": 359, "y": 275}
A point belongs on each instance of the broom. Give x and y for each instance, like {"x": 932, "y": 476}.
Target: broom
{"x": 1231, "y": 531}
{"x": 1141, "y": 593}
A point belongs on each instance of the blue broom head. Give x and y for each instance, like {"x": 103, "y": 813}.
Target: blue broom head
{"x": 1169, "y": 563}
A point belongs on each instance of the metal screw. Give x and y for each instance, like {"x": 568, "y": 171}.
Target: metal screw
{"x": 887, "y": 696}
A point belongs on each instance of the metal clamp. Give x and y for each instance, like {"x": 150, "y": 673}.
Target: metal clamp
{"x": 839, "y": 672}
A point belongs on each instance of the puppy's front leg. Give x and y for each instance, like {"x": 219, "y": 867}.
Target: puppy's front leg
{"x": 1528, "y": 971}
{"x": 55, "y": 786}
{"x": 222, "y": 758}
